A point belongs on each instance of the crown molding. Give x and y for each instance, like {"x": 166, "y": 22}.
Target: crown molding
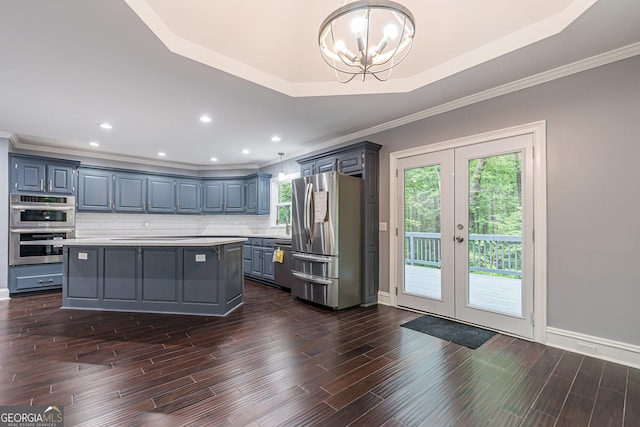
{"x": 527, "y": 82}
{"x": 121, "y": 158}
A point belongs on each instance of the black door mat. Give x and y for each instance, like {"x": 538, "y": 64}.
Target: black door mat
{"x": 457, "y": 333}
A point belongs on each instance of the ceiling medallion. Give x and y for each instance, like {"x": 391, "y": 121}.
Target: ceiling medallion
{"x": 366, "y": 37}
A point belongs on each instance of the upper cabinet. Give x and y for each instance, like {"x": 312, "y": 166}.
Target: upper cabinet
{"x": 162, "y": 195}
{"x": 118, "y": 190}
{"x": 130, "y": 192}
{"x": 350, "y": 161}
{"x": 95, "y": 190}
{"x": 257, "y": 193}
{"x": 223, "y": 196}
{"x": 32, "y": 174}
{"x": 188, "y": 193}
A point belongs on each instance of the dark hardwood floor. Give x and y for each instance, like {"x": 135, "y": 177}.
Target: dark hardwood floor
{"x": 278, "y": 361}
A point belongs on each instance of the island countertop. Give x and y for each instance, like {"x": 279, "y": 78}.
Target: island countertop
{"x": 152, "y": 241}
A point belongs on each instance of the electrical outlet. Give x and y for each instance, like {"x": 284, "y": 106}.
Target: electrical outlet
{"x": 586, "y": 348}
{"x": 382, "y": 226}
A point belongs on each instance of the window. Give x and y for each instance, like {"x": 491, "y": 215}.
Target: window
{"x": 281, "y": 200}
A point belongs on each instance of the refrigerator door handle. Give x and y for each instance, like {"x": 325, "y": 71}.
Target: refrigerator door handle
{"x": 308, "y": 206}
{"x": 312, "y": 278}
{"x": 315, "y": 258}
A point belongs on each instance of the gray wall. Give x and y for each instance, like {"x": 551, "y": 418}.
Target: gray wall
{"x": 593, "y": 151}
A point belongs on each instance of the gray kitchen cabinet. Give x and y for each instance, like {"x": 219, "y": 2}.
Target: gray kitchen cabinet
{"x": 120, "y": 190}
{"x": 161, "y": 195}
{"x": 33, "y": 174}
{"x": 160, "y": 274}
{"x": 351, "y": 162}
{"x": 123, "y": 264}
{"x": 38, "y": 277}
{"x": 258, "y": 256}
{"x": 130, "y": 192}
{"x": 169, "y": 195}
{"x": 257, "y": 193}
{"x": 361, "y": 160}
{"x": 320, "y": 165}
{"x": 234, "y": 196}
{"x": 223, "y": 196}
{"x": 82, "y": 270}
{"x": 213, "y": 196}
{"x": 307, "y": 168}
{"x": 188, "y": 195}
{"x": 200, "y": 266}
{"x": 256, "y": 261}
{"x": 246, "y": 258}
{"x": 267, "y": 264}
{"x": 95, "y": 190}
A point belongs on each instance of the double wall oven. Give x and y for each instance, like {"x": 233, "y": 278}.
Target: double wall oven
{"x": 36, "y": 223}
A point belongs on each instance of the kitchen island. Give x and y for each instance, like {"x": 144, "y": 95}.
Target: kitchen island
{"x": 178, "y": 275}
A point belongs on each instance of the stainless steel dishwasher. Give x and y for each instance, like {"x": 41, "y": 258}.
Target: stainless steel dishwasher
{"x": 283, "y": 275}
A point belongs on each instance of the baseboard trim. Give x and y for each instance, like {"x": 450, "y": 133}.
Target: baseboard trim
{"x": 600, "y": 348}
{"x": 4, "y": 294}
{"x": 384, "y": 298}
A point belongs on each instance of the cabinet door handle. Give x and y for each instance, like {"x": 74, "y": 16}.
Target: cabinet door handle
{"x": 42, "y": 185}
{"x": 45, "y": 281}
{"x": 50, "y": 185}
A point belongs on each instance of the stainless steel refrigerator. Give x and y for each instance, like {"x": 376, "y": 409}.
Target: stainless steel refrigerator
{"x": 326, "y": 239}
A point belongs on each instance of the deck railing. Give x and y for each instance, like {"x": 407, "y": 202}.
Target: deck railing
{"x": 487, "y": 253}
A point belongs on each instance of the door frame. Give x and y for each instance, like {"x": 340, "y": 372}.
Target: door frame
{"x": 538, "y": 132}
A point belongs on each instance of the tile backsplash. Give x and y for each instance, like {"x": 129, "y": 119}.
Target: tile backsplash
{"x": 100, "y": 224}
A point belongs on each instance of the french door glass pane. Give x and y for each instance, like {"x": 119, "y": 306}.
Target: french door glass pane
{"x": 495, "y": 233}
{"x": 422, "y": 248}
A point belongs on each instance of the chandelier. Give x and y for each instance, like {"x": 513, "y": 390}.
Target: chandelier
{"x": 366, "y": 37}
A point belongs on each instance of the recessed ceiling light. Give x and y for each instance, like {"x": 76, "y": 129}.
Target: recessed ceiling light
{"x": 106, "y": 126}
{"x": 205, "y": 119}
{"x": 214, "y": 159}
{"x": 162, "y": 154}
{"x": 245, "y": 151}
{"x": 94, "y": 144}
{"x": 276, "y": 138}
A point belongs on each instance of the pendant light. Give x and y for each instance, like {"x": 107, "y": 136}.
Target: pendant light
{"x": 281, "y": 174}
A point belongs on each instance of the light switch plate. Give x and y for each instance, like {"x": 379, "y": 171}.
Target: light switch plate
{"x": 382, "y": 226}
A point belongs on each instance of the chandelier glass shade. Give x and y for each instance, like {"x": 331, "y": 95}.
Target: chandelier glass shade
{"x": 366, "y": 37}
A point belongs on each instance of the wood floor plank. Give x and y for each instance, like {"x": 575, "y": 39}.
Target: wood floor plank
{"x": 552, "y": 396}
{"x": 576, "y": 411}
{"x": 280, "y": 361}
{"x": 588, "y": 378}
{"x": 632, "y": 399}
{"x": 614, "y": 377}
{"x": 608, "y": 409}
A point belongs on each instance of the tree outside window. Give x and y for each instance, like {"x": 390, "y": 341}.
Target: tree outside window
{"x": 283, "y": 204}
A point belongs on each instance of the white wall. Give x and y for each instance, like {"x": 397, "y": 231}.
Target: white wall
{"x": 593, "y": 151}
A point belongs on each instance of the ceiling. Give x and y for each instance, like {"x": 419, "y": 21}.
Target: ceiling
{"x": 151, "y": 68}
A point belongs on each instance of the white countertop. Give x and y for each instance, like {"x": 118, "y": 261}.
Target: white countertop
{"x": 151, "y": 241}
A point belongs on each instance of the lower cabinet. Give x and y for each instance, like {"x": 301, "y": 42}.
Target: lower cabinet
{"x": 29, "y": 278}
{"x": 258, "y": 260}
{"x": 193, "y": 280}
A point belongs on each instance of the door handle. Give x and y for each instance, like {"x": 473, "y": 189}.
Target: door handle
{"x": 459, "y": 239}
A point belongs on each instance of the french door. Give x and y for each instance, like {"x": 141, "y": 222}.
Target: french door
{"x": 466, "y": 249}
